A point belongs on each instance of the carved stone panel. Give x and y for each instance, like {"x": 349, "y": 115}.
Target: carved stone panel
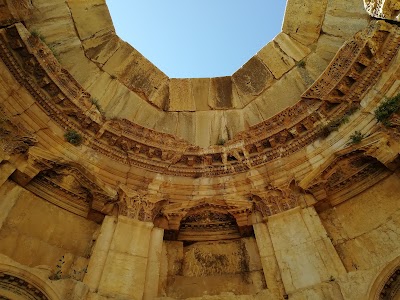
{"x": 13, "y": 286}
{"x": 384, "y": 9}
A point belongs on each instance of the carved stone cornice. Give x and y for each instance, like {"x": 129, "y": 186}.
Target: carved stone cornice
{"x": 64, "y": 183}
{"x": 381, "y": 146}
{"x": 356, "y": 67}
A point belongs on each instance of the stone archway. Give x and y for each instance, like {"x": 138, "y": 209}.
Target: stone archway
{"x": 387, "y": 284}
{"x": 19, "y": 284}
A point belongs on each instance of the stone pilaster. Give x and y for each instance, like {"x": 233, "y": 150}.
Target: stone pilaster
{"x": 132, "y": 264}
{"x": 100, "y": 253}
{"x": 124, "y": 273}
{"x": 154, "y": 264}
{"x": 267, "y": 255}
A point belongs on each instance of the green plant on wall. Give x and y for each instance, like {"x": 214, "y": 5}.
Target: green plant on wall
{"x": 58, "y": 273}
{"x": 54, "y": 51}
{"x": 73, "y": 137}
{"x": 301, "y": 64}
{"x": 221, "y": 142}
{"x": 96, "y": 103}
{"x": 336, "y": 123}
{"x": 356, "y": 138}
{"x": 386, "y": 109}
{"x": 36, "y": 33}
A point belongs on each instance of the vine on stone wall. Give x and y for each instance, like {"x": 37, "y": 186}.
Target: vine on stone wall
{"x": 384, "y": 113}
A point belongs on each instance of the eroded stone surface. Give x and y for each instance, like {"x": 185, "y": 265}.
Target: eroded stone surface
{"x": 243, "y": 187}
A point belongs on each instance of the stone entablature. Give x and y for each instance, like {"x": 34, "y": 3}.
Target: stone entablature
{"x": 201, "y": 111}
{"x": 355, "y": 68}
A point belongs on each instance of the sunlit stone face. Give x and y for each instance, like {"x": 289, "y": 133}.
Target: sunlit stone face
{"x": 197, "y": 38}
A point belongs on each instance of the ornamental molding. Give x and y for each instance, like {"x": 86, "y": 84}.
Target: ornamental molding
{"x": 64, "y": 183}
{"x": 355, "y": 68}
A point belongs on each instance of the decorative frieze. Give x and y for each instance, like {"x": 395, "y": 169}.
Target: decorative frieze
{"x": 355, "y": 68}
{"x": 20, "y": 288}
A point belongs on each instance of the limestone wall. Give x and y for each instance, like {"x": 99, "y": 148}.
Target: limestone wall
{"x": 365, "y": 230}
{"x": 34, "y": 232}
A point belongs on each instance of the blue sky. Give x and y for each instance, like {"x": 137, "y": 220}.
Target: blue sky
{"x": 197, "y": 38}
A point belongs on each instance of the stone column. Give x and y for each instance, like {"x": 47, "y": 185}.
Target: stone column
{"x": 125, "y": 270}
{"x": 267, "y": 255}
{"x": 100, "y": 253}
{"x": 154, "y": 264}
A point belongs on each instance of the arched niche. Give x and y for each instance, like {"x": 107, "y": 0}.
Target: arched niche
{"x": 19, "y": 284}
{"x": 387, "y": 284}
{"x": 206, "y": 225}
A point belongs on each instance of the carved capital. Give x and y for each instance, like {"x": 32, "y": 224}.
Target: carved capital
{"x": 274, "y": 200}
{"x": 139, "y": 205}
{"x": 14, "y": 139}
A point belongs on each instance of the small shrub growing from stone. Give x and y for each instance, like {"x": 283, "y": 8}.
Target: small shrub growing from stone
{"x": 336, "y": 123}
{"x": 73, "y": 137}
{"x": 221, "y": 142}
{"x": 35, "y": 33}
{"x": 96, "y": 103}
{"x": 356, "y": 137}
{"x": 301, "y": 64}
{"x": 387, "y": 109}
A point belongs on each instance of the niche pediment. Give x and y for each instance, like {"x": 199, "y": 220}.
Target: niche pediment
{"x": 351, "y": 170}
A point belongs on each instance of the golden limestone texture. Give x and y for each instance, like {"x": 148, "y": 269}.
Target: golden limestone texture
{"x": 278, "y": 182}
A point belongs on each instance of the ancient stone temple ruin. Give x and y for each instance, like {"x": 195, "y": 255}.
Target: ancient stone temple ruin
{"x": 278, "y": 182}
